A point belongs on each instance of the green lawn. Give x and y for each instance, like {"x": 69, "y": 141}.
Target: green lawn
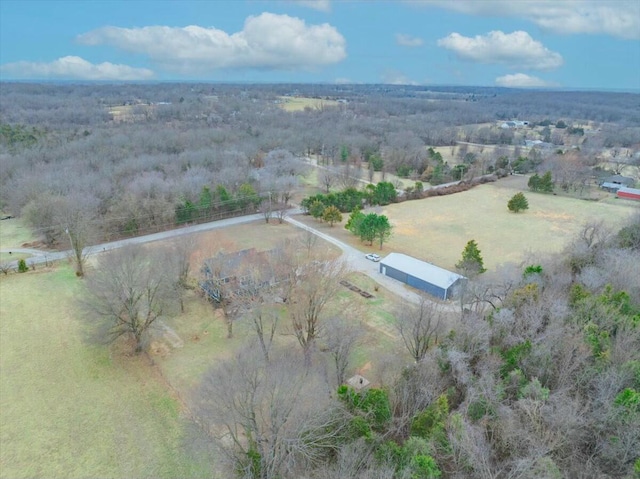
{"x": 299, "y": 103}
{"x": 67, "y": 409}
{"x": 13, "y": 234}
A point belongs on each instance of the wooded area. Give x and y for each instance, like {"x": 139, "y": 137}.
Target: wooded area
{"x": 135, "y": 159}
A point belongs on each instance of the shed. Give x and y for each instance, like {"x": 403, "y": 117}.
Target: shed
{"x": 421, "y": 275}
{"x": 629, "y": 193}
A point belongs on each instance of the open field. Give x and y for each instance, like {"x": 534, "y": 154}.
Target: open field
{"x": 299, "y": 103}
{"x": 70, "y": 409}
{"x": 437, "y": 229}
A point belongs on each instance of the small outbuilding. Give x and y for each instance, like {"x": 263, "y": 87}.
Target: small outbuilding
{"x": 431, "y": 279}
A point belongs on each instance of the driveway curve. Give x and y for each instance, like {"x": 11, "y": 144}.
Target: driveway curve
{"x": 354, "y": 257}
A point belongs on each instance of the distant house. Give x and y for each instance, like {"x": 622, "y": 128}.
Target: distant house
{"x": 514, "y": 124}
{"x": 629, "y": 193}
{"x": 421, "y": 275}
{"x": 537, "y": 144}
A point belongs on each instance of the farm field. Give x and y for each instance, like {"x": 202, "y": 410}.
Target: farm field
{"x": 69, "y": 409}
{"x": 436, "y": 229}
{"x": 299, "y": 103}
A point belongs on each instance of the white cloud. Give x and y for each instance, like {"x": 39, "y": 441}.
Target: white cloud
{"x": 618, "y": 18}
{"x": 520, "y": 80}
{"x": 267, "y": 41}
{"x": 408, "y": 40}
{"x": 515, "y": 49}
{"x": 320, "y": 5}
{"x": 75, "y": 68}
{"x": 394, "y": 77}
{"x": 342, "y": 81}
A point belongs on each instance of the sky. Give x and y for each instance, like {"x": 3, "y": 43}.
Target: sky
{"x": 568, "y": 44}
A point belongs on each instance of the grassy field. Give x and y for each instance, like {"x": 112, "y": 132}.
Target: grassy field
{"x": 14, "y": 234}
{"x": 299, "y": 103}
{"x": 69, "y": 409}
{"x": 437, "y": 229}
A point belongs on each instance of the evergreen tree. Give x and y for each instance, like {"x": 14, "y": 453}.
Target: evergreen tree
{"x": 471, "y": 263}
{"x": 546, "y": 183}
{"x": 518, "y": 203}
{"x": 317, "y": 209}
{"x": 534, "y": 183}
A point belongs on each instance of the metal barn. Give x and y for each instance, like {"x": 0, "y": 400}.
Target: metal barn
{"x": 436, "y": 281}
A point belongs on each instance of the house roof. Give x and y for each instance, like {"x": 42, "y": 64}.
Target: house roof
{"x": 422, "y": 270}
{"x": 613, "y": 186}
{"x": 619, "y": 179}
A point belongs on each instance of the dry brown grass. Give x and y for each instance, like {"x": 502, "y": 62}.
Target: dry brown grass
{"x": 437, "y": 229}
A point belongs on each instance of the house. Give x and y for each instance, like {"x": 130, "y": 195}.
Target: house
{"x": 618, "y": 180}
{"x": 514, "y": 124}
{"x": 610, "y": 187}
{"x": 243, "y": 273}
{"x": 629, "y": 193}
{"x": 436, "y": 281}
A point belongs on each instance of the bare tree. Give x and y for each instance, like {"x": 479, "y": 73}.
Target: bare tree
{"x": 265, "y": 324}
{"x": 419, "y": 327}
{"x": 327, "y": 179}
{"x": 180, "y": 256}
{"x": 266, "y": 209}
{"x": 77, "y": 219}
{"x": 129, "y": 291}
{"x": 270, "y": 419}
{"x": 341, "y": 337}
{"x": 347, "y": 176}
{"x": 308, "y": 241}
{"x": 314, "y": 285}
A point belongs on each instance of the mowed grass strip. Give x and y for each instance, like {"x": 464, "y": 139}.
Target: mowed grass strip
{"x": 67, "y": 409}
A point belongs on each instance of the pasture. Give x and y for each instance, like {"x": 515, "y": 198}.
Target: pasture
{"x": 436, "y": 229}
{"x": 71, "y": 409}
{"x": 299, "y": 103}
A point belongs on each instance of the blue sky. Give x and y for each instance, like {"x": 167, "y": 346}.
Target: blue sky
{"x": 589, "y": 44}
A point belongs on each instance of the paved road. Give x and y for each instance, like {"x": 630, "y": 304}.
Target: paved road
{"x": 42, "y": 256}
